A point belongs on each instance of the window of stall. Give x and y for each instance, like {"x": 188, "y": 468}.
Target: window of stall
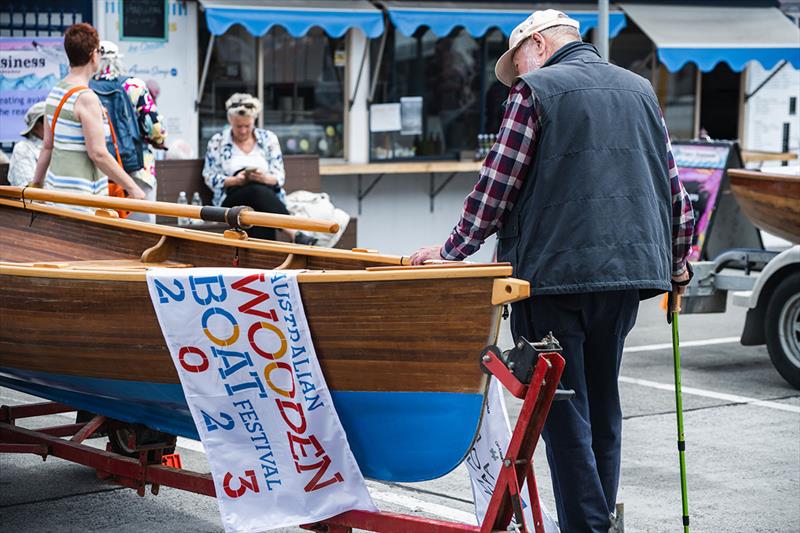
{"x": 429, "y": 96}
{"x": 676, "y": 91}
{"x": 232, "y": 70}
{"x": 302, "y": 92}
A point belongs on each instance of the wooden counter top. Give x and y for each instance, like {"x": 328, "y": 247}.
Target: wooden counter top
{"x": 406, "y": 167}
{"x": 751, "y": 156}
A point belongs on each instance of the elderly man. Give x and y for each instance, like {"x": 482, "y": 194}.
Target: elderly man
{"x": 584, "y": 193}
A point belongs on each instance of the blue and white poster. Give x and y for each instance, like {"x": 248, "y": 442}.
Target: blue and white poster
{"x": 29, "y": 68}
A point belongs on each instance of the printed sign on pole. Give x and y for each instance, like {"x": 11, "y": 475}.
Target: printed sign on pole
{"x": 486, "y": 458}
{"x": 29, "y": 68}
{"x": 241, "y": 344}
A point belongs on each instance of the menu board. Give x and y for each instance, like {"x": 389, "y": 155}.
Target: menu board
{"x": 719, "y": 223}
{"x": 701, "y": 168}
{"x": 143, "y": 19}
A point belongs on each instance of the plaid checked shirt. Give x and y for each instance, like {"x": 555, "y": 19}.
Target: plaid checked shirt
{"x": 506, "y": 167}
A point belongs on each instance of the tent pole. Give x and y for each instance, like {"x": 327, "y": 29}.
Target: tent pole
{"x": 260, "y": 78}
{"x": 601, "y": 33}
{"x": 203, "y": 76}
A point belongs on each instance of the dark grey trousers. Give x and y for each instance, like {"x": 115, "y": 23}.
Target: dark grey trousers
{"x": 583, "y": 435}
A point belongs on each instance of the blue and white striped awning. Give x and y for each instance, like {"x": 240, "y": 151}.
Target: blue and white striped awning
{"x": 707, "y": 36}
{"x": 477, "y": 19}
{"x": 257, "y": 17}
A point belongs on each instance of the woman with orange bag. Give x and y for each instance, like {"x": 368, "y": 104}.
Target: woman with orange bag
{"x": 74, "y": 157}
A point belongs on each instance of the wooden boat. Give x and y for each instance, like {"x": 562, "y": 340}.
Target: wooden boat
{"x": 399, "y": 345}
{"x": 771, "y": 201}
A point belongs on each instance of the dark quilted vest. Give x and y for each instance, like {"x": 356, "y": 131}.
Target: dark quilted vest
{"x": 594, "y": 213}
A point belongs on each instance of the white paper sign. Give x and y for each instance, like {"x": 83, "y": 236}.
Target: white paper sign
{"x": 486, "y": 458}
{"x": 242, "y": 347}
{"x": 384, "y": 117}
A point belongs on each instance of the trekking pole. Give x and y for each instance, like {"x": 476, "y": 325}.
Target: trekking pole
{"x": 673, "y": 307}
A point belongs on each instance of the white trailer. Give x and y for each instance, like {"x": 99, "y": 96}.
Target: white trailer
{"x": 768, "y": 284}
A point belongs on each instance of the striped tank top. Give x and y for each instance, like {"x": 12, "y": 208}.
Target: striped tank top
{"x": 70, "y": 169}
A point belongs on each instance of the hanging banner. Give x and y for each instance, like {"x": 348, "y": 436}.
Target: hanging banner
{"x": 29, "y": 68}
{"x": 240, "y": 342}
{"x": 486, "y": 458}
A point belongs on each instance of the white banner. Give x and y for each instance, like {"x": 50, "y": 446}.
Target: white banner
{"x": 486, "y": 458}
{"x": 242, "y": 347}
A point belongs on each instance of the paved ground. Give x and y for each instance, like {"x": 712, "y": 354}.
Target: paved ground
{"x": 743, "y": 457}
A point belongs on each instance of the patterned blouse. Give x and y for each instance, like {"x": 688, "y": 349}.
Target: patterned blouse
{"x": 219, "y": 150}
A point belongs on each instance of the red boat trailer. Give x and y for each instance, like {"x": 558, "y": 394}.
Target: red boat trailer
{"x": 148, "y": 466}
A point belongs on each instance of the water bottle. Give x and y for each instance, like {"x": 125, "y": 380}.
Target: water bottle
{"x": 182, "y": 200}
{"x": 199, "y": 203}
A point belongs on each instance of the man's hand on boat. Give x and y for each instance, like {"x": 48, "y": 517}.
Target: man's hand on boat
{"x": 424, "y": 254}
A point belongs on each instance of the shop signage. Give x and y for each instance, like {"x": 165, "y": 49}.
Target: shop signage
{"x": 242, "y": 348}
{"x": 29, "y": 68}
{"x": 169, "y": 63}
{"x": 143, "y": 20}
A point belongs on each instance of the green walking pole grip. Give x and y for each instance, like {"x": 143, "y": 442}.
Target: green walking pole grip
{"x": 673, "y": 308}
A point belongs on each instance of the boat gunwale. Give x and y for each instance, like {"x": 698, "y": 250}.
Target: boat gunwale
{"x": 304, "y": 276}
{"x": 741, "y": 174}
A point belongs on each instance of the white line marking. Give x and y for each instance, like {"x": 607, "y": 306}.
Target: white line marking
{"x": 684, "y": 344}
{"x": 711, "y": 394}
{"x": 416, "y": 504}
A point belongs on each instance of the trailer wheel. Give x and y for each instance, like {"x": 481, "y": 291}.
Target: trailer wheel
{"x": 782, "y": 327}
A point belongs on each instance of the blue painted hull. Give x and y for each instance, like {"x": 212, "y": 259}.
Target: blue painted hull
{"x": 395, "y": 436}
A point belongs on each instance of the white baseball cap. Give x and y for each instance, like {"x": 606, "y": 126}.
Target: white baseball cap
{"x": 505, "y": 70}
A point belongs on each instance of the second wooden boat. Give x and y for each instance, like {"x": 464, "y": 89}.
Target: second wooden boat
{"x": 771, "y": 201}
{"x": 399, "y": 346}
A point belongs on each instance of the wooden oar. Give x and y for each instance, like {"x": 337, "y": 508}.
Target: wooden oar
{"x": 207, "y": 213}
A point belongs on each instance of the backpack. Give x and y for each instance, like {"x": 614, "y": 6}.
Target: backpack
{"x": 123, "y": 117}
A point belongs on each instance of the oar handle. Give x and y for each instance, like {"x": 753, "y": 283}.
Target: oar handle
{"x": 246, "y": 217}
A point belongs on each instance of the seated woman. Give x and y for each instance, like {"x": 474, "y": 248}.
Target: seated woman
{"x": 244, "y": 166}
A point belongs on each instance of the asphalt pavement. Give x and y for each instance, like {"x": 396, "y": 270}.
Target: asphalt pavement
{"x": 742, "y": 423}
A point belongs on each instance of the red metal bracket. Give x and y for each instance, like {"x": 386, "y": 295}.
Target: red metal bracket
{"x": 517, "y": 464}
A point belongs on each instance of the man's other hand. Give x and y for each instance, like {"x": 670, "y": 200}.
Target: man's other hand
{"x": 679, "y": 282}
{"x": 424, "y": 254}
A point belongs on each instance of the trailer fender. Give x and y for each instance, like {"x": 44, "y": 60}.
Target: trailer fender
{"x": 778, "y": 268}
